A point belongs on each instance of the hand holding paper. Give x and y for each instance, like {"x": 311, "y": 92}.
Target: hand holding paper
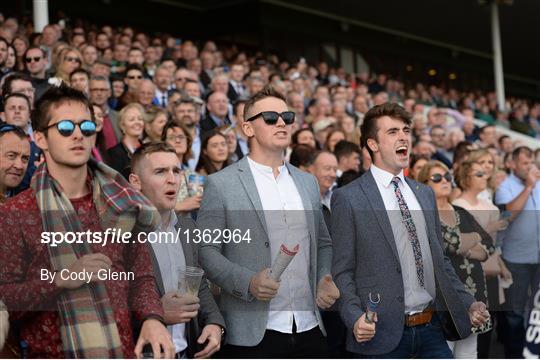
{"x": 283, "y": 260}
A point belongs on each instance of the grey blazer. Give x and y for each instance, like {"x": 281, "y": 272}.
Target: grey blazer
{"x": 231, "y": 201}
{"x": 209, "y": 311}
{"x": 114, "y": 117}
{"x": 366, "y": 260}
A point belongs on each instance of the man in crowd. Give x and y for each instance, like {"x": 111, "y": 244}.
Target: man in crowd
{"x": 162, "y": 80}
{"x": 17, "y": 113}
{"x": 439, "y": 139}
{"x": 520, "y": 194}
{"x": 146, "y": 95}
{"x": 487, "y": 136}
{"x": 156, "y": 174}
{"x": 80, "y": 79}
{"x": 133, "y": 79}
{"x": 100, "y": 91}
{"x": 186, "y": 113}
{"x": 59, "y": 316}
{"x": 35, "y": 62}
{"x": 218, "y": 112}
{"x": 280, "y": 205}
{"x": 19, "y": 83}
{"x": 348, "y": 157}
{"x": 14, "y": 158}
{"x": 394, "y": 249}
{"x": 237, "y": 90}
{"x": 324, "y": 167}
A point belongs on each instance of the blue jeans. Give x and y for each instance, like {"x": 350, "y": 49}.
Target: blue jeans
{"x": 526, "y": 278}
{"x": 423, "y": 341}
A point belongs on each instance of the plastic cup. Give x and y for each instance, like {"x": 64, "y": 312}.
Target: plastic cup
{"x": 189, "y": 280}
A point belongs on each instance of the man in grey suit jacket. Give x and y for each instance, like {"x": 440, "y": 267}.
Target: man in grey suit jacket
{"x": 387, "y": 241}
{"x": 157, "y": 176}
{"x": 270, "y": 203}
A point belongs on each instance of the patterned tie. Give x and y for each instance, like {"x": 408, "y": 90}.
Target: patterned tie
{"x": 411, "y": 231}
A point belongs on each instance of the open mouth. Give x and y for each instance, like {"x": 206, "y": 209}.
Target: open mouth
{"x": 78, "y": 148}
{"x": 402, "y": 151}
{"x": 170, "y": 193}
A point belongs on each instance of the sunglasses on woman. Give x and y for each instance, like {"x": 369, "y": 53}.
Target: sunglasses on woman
{"x": 67, "y": 127}
{"x": 72, "y": 59}
{"x": 437, "y": 178}
{"x": 272, "y": 117}
{"x": 479, "y": 174}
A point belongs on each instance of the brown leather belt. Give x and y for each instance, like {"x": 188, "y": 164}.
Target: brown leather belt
{"x": 419, "y": 318}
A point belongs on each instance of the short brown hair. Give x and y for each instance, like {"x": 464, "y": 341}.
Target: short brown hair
{"x": 521, "y": 150}
{"x": 463, "y": 179}
{"x": 171, "y": 125}
{"x": 147, "y": 149}
{"x": 369, "y": 126}
{"x": 266, "y": 92}
{"x": 54, "y": 97}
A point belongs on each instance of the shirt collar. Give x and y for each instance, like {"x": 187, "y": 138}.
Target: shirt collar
{"x": 267, "y": 169}
{"x": 173, "y": 220}
{"x": 384, "y": 177}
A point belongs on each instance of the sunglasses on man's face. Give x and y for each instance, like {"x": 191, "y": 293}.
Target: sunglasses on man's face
{"x": 35, "y": 59}
{"x": 437, "y": 178}
{"x": 67, "y": 127}
{"x": 131, "y": 77}
{"x": 272, "y": 117}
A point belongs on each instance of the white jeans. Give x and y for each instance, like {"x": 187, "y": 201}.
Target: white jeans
{"x": 465, "y": 348}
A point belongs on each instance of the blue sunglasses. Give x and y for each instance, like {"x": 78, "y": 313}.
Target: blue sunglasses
{"x": 67, "y": 127}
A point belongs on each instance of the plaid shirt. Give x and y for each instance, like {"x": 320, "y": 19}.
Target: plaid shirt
{"x": 22, "y": 256}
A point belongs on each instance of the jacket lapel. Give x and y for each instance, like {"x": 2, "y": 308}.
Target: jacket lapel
{"x": 247, "y": 180}
{"x": 371, "y": 190}
{"x": 306, "y": 202}
{"x": 157, "y": 271}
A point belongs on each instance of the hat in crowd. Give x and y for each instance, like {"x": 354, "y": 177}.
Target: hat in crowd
{"x": 322, "y": 124}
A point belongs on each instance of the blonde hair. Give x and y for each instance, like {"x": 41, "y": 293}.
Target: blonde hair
{"x": 476, "y": 155}
{"x": 60, "y": 73}
{"x": 125, "y": 109}
{"x": 423, "y": 175}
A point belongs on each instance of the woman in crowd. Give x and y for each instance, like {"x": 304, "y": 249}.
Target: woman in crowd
{"x": 352, "y": 132}
{"x": 333, "y": 137}
{"x": 417, "y": 162}
{"x": 131, "y": 123}
{"x": 11, "y": 60}
{"x": 304, "y": 136}
{"x": 472, "y": 179}
{"x": 465, "y": 243}
{"x": 485, "y": 159}
{"x": 69, "y": 59}
{"x": 99, "y": 149}
{"x": 20, "y": 43}
{"x": 214, "y": 153}
{"x": 154, "y": 122}
{"x": 180, "y": 139}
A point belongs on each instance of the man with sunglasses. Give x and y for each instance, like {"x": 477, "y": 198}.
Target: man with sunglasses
{"x": 387, "y": 241}
{"x": 133, "y": 79}
{"x": 14, "y": 157}
{"x": 35, "y": 63}
{"x": 272, "y": 204}
{"x": 66, "y": 315}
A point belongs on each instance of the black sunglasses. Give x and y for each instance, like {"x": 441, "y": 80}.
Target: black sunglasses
{"x": 437, "y": 178}
{"x": 35, "y": 58}
{"x": 272, "y": 117}
{"x": 67, "y": 127}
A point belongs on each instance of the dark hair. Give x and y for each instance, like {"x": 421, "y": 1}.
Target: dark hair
{"x": 18, "y": 95}
{"x": 461, "y": 151}
{"x": 80, "y": 71}
{"x": 415, "y": 158}
{"x": 346, "y": 148}
{"x": 172, "y": 125}
{"x": 502, "y": 138}
{"x": 185, "y": 100}
{"x": 204, "y": 161}
{"x": 301, "y": 155}
{"x": 266, "y": 92}
{"x": 137, "y": 67}
{"x": 348, "y": 177}
{"x": 147, "y": 149}
{"x": 521, "y": 150}
{"x": 369, "y": 127}
{"x": 8, "y": 128}
{"x": 296, "y": 135}
{"x": 483, "y": 128}
{"x": 54, "y": 97}
{"x": 9, "y": 79}
{"x": 235, "y": 107}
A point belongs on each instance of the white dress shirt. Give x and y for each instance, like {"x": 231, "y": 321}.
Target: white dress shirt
{"x": 161, "y": 96}
{"x": 286, "y": 224}
{"x": 416, "y": 297}
{"x": 170, "y": 258}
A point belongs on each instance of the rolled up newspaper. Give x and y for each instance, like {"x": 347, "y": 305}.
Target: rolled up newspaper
{"x": 283, "y": 260}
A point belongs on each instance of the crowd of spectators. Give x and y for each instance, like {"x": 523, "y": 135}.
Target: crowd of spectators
{"x": 191, "y": 95}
